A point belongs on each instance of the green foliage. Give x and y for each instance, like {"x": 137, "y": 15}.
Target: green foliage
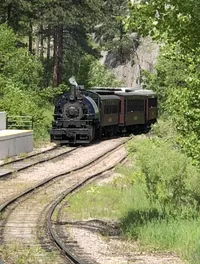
{"x": 171, "y": 21}
{"x": 112, "y": 200}
{"x": 180, "y": 236}
{"x": 84, "y": 70}
{"x": 169, "y": 184}
{"x": 155, "y": 200}
{"x": 19, "y": 78}
{"x": 90, "y": 72}
{"x": 100, "y": 76}
{"x": 16, "y": 253}
{"x": 72, "y": 25}
{"x": 23, "y": 68}
{"x": 176, "y": 82}
{"x": 111, "y": 34}
{"x": 165, "y": 129}
{"x": 92, "y": 199}
{"x": 170, "y": 72}
{"x": 169, "y": 176}
{"x": 17, "y": 64}
{"x": 19, "y": 102}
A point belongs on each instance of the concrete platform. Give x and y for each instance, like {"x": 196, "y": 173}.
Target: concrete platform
{"x": 14, "y": 142}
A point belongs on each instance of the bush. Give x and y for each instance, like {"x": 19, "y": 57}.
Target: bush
{"x": 17, "y": 64}
{"x": 165, "y": 129}
{"x": 167, "y": 214}
{"x": 169, "y": 176}
{"x": 99, "y": 75}
{"x": 19, "y": 78}
{"x": 176, "y": 82}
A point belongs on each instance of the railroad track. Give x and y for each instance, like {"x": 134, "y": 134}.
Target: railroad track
{"x": 46, "y": 195}
{"x": 60, "y": 242}
{"x": 20, "y": 164}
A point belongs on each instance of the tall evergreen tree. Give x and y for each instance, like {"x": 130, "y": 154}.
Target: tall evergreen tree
{"x": 111, "y": 33}
{"x": 67, "y": 25}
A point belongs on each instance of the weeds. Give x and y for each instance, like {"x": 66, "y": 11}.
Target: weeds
{"x": 18, "y": 254}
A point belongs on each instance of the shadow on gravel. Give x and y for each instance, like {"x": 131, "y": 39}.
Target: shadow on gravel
{"x": 95, "y": 225}
{"x": 105, "y": 138}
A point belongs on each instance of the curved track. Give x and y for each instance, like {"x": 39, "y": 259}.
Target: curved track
{"x": 39, "y": 200}
{"x": 52, "y": 227}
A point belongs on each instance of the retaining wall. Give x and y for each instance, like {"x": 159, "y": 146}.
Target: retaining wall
{"x": 14, "y": 142}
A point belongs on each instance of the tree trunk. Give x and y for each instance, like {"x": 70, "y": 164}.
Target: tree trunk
{"x": 9, "y": 11}
{"x": 48, "y": 69}
{"x": 37, "y": 44}
{"x": 41, "y": 42}
{"x": 48, "y": 43}
{"x": 30, "y": 39}
{"x": 121, "y": 45}
{"x": 58, "y": 55}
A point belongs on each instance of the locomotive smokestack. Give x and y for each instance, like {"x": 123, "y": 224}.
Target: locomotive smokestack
{"x": 73, "y": 88}
{"x": 74, "y": 91}
{"x": 72, "y": 95}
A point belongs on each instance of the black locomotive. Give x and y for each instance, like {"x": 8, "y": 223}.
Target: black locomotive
{"x": 83, "y": 115}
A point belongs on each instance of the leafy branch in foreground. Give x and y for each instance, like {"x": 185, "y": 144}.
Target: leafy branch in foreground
{"x": 172, "y": 21}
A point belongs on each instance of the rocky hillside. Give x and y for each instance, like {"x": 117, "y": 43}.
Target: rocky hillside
{"x": 143, "y": 58}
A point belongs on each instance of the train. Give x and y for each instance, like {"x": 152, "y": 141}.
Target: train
{"x": 81, "y": 116}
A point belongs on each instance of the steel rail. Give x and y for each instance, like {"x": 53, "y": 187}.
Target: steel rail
{"x": 15, "y": 170}
{"x": 53, "y": 235}
{"x": 27, "y": 157}
{"x": 46, "y": 181}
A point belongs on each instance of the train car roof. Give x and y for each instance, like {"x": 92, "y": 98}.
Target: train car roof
{"x": 109, "y": 97}
{"x": 144, "y": 92}
{"x": 105, "y": 88}
{"x": 103, "y": 91}
{"x": 123, "y": 89}
{"x": 137, "y": 93}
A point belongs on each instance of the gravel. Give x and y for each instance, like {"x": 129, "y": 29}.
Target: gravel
{"x": 105, "y": 250}
{"x": 34, "y": 175}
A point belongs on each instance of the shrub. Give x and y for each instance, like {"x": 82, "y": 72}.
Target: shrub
{"x": 170, "y": 178}
{"x": 99, "y": 75}
{"x": 176, "y": 81}
{"x": 17, "y": 64}
{"x": 19, "y": 78}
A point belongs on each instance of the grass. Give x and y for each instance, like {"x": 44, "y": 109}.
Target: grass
{"x": 89, "y": 203}
{"x": 18, "y": 254}
{"x": 23, "y": 155}
{"x": 139, "y": 221}
{"x": 111, "y": 201}
{"x": 180, "y": 235}
{"x": 154, "y": 199}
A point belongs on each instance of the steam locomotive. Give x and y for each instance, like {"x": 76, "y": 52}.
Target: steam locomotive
{"x": 81, "y": 116}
